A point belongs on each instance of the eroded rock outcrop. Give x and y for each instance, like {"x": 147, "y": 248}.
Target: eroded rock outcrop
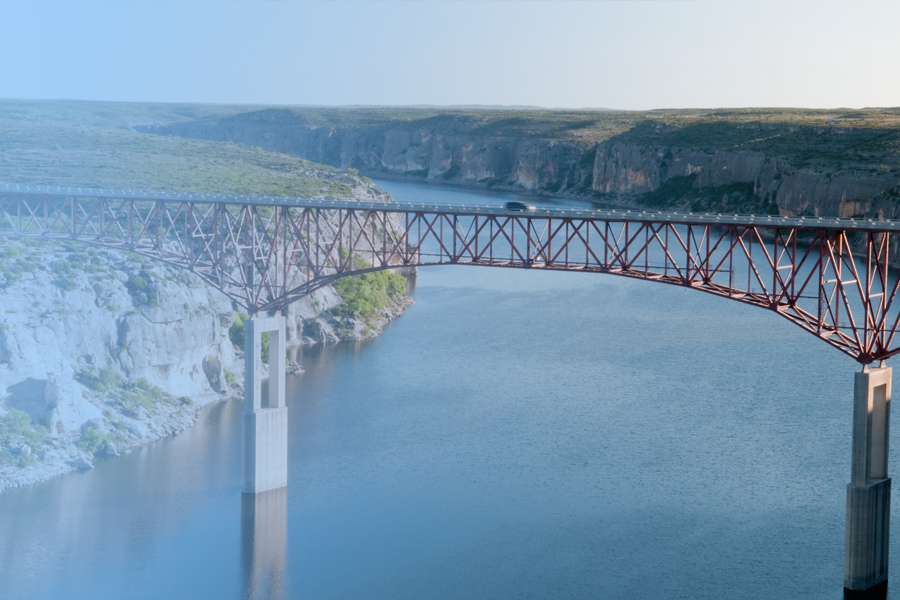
{"x": 101, "y": 351}
{"x": 99, "y": 348}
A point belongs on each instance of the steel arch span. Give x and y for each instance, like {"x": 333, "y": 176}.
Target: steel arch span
{"x": 830, "y": 277}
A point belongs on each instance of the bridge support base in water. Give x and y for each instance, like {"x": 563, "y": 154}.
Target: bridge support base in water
{"x": 265, "y": 424}
{"x": 869, "y": 491}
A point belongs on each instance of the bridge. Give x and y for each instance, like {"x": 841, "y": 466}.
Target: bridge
{"x": 831, "y": 277}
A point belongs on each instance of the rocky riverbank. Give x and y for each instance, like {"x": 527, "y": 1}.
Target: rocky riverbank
{"x": 101, "y": 351}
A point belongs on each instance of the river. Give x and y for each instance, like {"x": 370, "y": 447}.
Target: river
{"x": 514, "y": 435}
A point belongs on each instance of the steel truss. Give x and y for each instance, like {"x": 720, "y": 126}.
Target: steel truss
{"x": 832, "y": 281}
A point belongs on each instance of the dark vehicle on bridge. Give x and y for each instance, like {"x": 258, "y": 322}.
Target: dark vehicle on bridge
{"x": 519, "y": 206}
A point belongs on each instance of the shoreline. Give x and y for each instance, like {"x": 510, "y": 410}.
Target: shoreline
{"x": 61, "y": 412}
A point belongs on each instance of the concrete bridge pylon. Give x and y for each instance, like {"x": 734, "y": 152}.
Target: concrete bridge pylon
{"x": 869, "y": 490}
{"x": 265, "y": 425}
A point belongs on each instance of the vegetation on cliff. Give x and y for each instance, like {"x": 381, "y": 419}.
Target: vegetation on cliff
{"x": 837, "y": 162}
{"x": 39, "y": 151}
{"x": 236, "y": 335}
{"x": 692, "y": 128}
{"x": 860, "y": 139}
{"x": 367, "y": 296}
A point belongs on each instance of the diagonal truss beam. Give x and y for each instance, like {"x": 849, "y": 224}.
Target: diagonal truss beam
{"x": 836, "y": 283}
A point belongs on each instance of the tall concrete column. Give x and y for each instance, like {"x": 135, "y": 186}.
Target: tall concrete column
{"x": 265, "y": 423}
{"x": 869, "y": 491}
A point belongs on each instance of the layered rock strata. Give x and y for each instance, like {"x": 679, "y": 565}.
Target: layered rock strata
{"x": 834, "y": 170}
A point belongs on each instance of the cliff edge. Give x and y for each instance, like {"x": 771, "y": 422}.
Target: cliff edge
{"x": 771, "y": 161}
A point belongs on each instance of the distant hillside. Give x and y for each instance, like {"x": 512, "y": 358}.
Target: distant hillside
{"x": 788, "y": 161}
{"x": 838, "y": 162}
{"x": 64, "y": 151}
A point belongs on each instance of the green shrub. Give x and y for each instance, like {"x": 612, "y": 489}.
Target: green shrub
{"x": 230, "y": 377}
{"x": 236, "y": 331}
{"x": 110, "y": 385}
{"x": 26, "y": 460}
{"x": 366, "y": 295}
{"x": 88, "y": 378}
{"x": 110, "y": 377}
{"x": 93, "y": 440}
{"x": 137, "y": 283}
{"x": 17, "y": 421}
{"x": 16, "y": 427}
{"x": 236, "y": 335}
{"x": 142, "y": 394}
{"x": 142, "y": 283}
{"x": 14, "y": 262}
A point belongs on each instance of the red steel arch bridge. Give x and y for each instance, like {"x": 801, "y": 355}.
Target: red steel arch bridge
{"x": 830, "y": 277}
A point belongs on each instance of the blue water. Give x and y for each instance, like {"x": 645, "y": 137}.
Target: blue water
{"x": 515, "y": 434}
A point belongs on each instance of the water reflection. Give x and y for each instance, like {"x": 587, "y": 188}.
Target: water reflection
{"x": 264, "y": 544}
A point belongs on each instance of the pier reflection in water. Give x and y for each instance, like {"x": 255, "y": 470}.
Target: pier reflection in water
{"x": 264, "y": 544}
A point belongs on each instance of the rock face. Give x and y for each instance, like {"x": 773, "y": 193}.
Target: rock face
{"x": 626, "y": 170}
{"x": 827, "y": 171}
{"x": 435, "y": 150}
{"x": 96, "y": 347}
{"x": 65, "y": 407}
{"x": 101, "y": 351}
{"x": 53, "y": 328}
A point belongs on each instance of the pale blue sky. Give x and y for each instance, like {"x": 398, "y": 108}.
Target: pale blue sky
{"x": 628, "y": 55}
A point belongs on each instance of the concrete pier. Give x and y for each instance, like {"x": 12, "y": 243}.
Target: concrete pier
{"x": 264, "y": 544}
{"x": 869, "y": 491}
{"x": 265, "y": 423}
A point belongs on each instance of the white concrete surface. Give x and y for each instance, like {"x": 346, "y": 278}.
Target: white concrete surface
{"x": 869, "y": 491}
{"x": 265, "y": 419}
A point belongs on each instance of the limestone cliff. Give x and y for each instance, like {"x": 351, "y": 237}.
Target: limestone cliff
{"x": 102, "y": 350}
{"x": 829, "y": 168}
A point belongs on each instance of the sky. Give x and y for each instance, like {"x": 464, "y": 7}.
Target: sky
{"x": 624, "y": 55}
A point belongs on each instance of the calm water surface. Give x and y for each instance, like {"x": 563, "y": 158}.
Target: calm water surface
{"x": 514, "y": 435}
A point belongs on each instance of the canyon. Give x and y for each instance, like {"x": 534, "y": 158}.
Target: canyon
{"x": 816, "y": 164}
